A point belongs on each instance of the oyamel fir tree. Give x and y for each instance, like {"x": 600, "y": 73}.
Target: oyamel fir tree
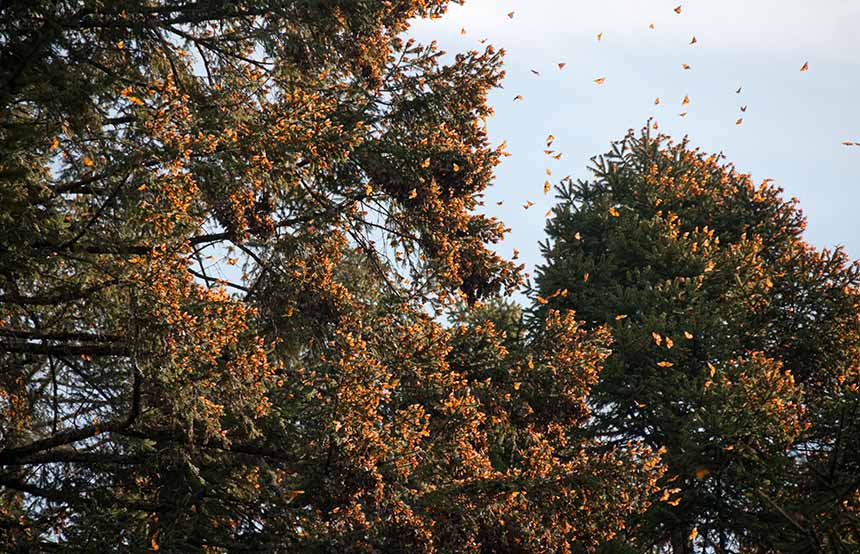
{"x": 735, "y": 346}
{"x": 221, "y": 227}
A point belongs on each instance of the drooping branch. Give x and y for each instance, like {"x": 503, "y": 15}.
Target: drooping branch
{"x": 59, "y": 336}
{"x": 93, "y": 350}
{"x": 72, "y": 496}
{"x": 58, "y": 296}
{"x": 68, "y": 455}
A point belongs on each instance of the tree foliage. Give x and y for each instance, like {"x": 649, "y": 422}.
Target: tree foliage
{"x": 226, "y": 229}
{"x": 737, "y": 346}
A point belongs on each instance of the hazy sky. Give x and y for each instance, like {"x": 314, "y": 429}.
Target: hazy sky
{"x": 792, "y": 129}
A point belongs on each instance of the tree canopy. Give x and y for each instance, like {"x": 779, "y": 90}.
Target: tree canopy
{"x": 736, "y": 346}
{"x": 226, "y": 231}
{"x": 249, "y": 302}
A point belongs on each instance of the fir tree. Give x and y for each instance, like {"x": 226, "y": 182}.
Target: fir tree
{"x": 736, "y": 346}
{"x": 225, "y": 230}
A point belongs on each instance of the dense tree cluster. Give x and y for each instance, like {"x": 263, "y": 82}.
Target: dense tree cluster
{"x": 737, "y": 346}
{"x": 227, "y": 229}
{"x": 248, "y": 303}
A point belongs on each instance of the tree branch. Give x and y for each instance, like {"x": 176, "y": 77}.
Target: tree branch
{"x": 13, "y": 456}
{"x": 60, "y": 336}
{"x": 65, "y": 349}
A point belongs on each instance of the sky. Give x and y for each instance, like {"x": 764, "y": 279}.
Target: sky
{"x": 792, "y": 130}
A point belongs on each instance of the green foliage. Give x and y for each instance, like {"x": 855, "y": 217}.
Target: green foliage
{"x": 735, "y": 345}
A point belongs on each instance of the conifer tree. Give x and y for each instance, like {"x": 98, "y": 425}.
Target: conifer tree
{"x": 736, "y": 346}
{"x": 225, "y": 230}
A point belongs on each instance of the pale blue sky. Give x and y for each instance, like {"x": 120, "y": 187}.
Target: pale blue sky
{"x": 792, "y": 130}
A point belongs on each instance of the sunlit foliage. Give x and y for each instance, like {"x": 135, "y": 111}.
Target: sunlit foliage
{"x": 226, "y": 232}
{"x": 736, "y": 346}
